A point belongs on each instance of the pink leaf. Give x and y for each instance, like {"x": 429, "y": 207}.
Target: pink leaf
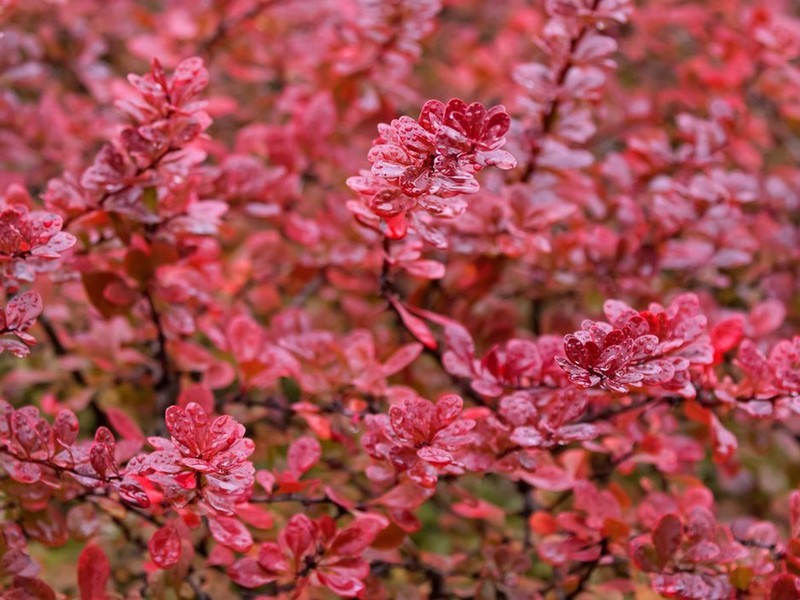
{"x": 299, "y": 534}
{"x": 66, "y": 427}
{"x": 124, "y": 425}
{"x": 416, "y": 326}
{"x": 425, "y": 269}
{"x": 249, "y": 574}
{"x": 303, "y": 454}
{"x": 356, "y": 538}
{"x": 199, "y": 394}
{"x": 165, "y": 547}
{"x": 401, "y": 359}
{"x": 22, "y": 310}
{"x": 94, "y": 571}
{"x": 667, "y": 537}
{"x": 230, "y": 532}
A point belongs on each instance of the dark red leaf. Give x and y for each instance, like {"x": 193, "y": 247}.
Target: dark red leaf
{"x": 303, "y": 454}
{"x": 667, "y": 537}
{"x": 418, "y": 328}
{"x": 165, "y": 547}
{"x": 231, "y": 533}
{"x": 94, "y": 571}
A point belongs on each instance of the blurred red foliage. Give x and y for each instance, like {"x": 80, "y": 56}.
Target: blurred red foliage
{"x": 402, "y": 298}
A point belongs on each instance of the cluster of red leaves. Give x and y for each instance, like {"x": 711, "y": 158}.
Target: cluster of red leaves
{"x": 429, "y": 163}
{"x": 516, "y": 364}
{"x": 771, "y": 384}
{"x": 228, "y": 358}
{"x": 34, "y": 451}
{"x": 139, "y": 175}
{"x": 18, "y": 317}
{"x": 312, "y": 553}
{"x": 30, "y": 241}
{"x": 419, "y": 438}
{"x": 651, "y": 348}
{"x": 205, "y": 458}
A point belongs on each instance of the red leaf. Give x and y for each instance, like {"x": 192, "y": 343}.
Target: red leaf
{"x": 401, "y": 359}
{"x": 124, "y": 425}
{"x": 299, "y": 534}
{"x": 436, "y": 456}
{"x": 199, "y": 394}
{"x": 404, "y": 496}
{"x": 254, "y": 515}
{"x": 356, "y": 538}
{"x": 448, "y": 407}
{"x": 230, "y": 532}
{"x": 785, "y": 588}
{"x": 165, "y": 547}
{"x": 82, "y": 521}
{"x": 303, "y": 454}
{"x": 667, "y": 537}
{"x": 725, "y": 443}
{"x": 29, "y": 588}
{"x": 245, "y": 337}
{"x": 247, "y": 573}
{"x": 794, "y": 512}
{"x": 425, "y": 269}
{"x": 48, "y": 526}
{"x": 396, "y": 227}
{"x": 66, "y": 427}
{"x": 725, "y": 336}
{"x": 766, "y": 317}
{"x": 480, "y": 509}
{"x": 341, "y": 582}
{"x": 416, "y": 326}
{"x": 22, "y": 310}
{"x": 460, "y": 354}
{"x": 96, "y": 284}
{"x": 132, "y": 492}
{"x": 93, "y": 573}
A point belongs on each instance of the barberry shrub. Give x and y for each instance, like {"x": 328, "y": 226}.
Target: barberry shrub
{"x": 399, "y": 299}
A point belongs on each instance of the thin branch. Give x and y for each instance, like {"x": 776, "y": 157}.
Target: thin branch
{"x": 613, "y": 411}
{"x": 308, "y": 290}
{"x": 167, "y": 383}
{"x": 58, "y": 346}
{"x": 225, "y": 26}
{"x": 589, "y": 570}
{"x": 304, "y": 500}
{"x": 551, "y": 114}
{"x": 528, "y": 508}
{"x": 199, "y": 594}
{"x": 57, "y": 468}
{"x": 389, "y": 292}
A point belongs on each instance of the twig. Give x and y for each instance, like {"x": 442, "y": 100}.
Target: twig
{"x": 614, "y": 411}
{"x": 58, "y": 346}
{"x": 304, "y": 500}
{"x": 588, "y": 571}
{"x": 528, "y": 508}
{"x": 551, "y": 115}
{"x": 389, "y": 292}
{"x": 308, "y": 290}
{"x": 199, "y": 594}
{"x": 225, "y": 26}
{"x": 166, "y": 385}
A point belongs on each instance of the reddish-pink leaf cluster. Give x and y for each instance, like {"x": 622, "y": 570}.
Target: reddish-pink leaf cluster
{"x": 312, "y": 553}
{"x": 230, "y": 331}
{"x": 30, "y": 242}
{"x": 430, "y": 162}
{"x": 19, "y": 315}
{"x": 653, "y": 348}
{"x": 420, "y": 438}
{"x": 205, "y": 457}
